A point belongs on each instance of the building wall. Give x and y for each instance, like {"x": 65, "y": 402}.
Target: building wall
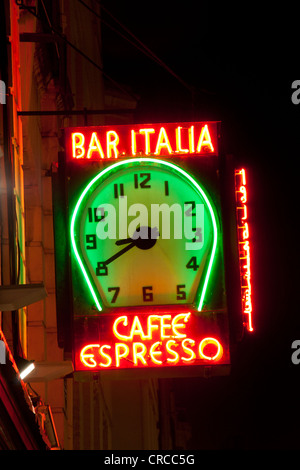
{"x": 40, "y": 141}
{"x": 12, "y": 201}
{"x": 89, "y": 411}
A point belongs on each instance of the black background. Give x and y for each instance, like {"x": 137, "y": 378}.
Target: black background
{"x": 236, "y": 63}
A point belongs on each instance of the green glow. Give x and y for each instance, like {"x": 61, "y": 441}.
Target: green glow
{"x": 113, "y": 167}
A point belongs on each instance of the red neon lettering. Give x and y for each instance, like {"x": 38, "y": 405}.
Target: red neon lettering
{"x": 150, "y": 341}
{"x": 204, "y": 139}
{"x": 174, "y": 354}
{"x": 214, "y": 353}
{"x": 178, "y": 142}
{"x": 192, "y": 139}
{"x": 133, "y": 142}
{"x": 170, "y": 352}
{"x": 95, "y": 146}
{"x": 112, "y": 140}
{"x": 151, "y": 326}
{"x": 119, "y": 320}
{"x": 88, "y": 359}
{"x": 78, "y": 150}
{"x": 160, "y": 140}
{"x": 153, "y": 352}
{"x": 136, "y": 329}
{"x": 165, "y": 325}
{"x": 147, "y": 133}
{"x": 139, "y": 350}
{"x": 243, "y": 246}
{"x": 189, "y": 351}
{"x": 155, "y": 323}
{"x": 121, "y": 351}
{"x": 105, "y": 356}
{"x": 181, "y": 316}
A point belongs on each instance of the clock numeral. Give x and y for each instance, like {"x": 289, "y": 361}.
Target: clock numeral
{"x": 147, "y": 296}
{"x": 91, "y": 242}
{"x": 192, "y": 264}
{"x": 96, "y": 214}
{"x": 101, "y": 269}
{"x": 143, "y": 183}
{"x": 166, "y": 188}
{"x": 181, "y": 295}
{"x": 198, "y": 235}
{"x": 116, "y": 291}
{"x": 190, "y": 211}
{"x": 118, "y": 190}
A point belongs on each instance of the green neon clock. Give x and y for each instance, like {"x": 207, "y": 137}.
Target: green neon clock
{"x": 144, "y": 232}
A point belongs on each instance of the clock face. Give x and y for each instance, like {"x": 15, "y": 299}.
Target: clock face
{"x": 144, "y": 232}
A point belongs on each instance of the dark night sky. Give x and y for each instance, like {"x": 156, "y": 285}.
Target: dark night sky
{"x": 241, "y": 61}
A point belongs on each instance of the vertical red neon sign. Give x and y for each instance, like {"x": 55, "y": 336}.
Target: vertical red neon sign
{"x": 243, "y": 246}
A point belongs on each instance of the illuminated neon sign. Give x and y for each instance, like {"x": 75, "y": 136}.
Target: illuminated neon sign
{"x": 146, "y": 247}
{"x": 150, "y": 340}
{"x": 101, "y": 143}
{"x": 244, "y": 246}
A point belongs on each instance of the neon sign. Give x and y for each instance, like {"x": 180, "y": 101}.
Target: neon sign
{"x": 150, "y": 340}
{"x": 243, "y": 246}
{"x": 101, "y": 143}
{"x": 146, "y": 248}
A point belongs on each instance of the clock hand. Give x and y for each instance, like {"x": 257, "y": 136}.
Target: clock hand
{"x": 123, "y": 241}
{"x": 144, "y": 233}
{"x": 121, "y": 252}
{"x": 136, "y": 240}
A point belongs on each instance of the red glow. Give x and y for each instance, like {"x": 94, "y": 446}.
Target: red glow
{"x": 150, "y": 340}
{"x": 244, "y": 246}
{"x": 162, "y": 140}
{"x": 211, "y": 349}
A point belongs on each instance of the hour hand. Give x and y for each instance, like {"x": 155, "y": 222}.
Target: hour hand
{"x": 120, "y": 253}
{"x": 124, "y": 241}
{"x": 140, "y": 233}
{"x": 143, "y": 238}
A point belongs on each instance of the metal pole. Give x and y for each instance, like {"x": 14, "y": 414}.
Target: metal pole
{"x": 75, "y": 112}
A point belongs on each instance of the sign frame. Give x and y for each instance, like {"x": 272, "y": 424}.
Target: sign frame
{"x": 68, "y": 169}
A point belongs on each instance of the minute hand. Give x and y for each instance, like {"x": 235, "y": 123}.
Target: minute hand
{"x": 119, "y": 253}
{"x": 123, "y": 241}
